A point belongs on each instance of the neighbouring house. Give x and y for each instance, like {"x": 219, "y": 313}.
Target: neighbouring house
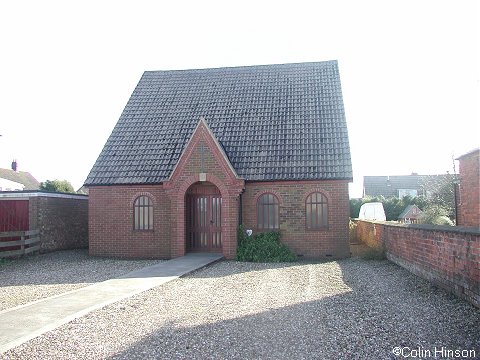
{"x": 410, "y": 215}
{"x": 83, "y": 190}
{"x": 12, "y": 179}
{"x": 195, "y": 153}
{"x": 404, "y": 185}
{"x": 7, "y": 185}
{"x": 468, "y": 197}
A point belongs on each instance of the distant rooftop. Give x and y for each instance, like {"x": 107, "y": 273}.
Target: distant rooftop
{"x": 22, "y": 177}
{"x": 400, "y": 185}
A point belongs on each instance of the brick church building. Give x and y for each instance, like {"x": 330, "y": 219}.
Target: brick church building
{"x": 195, "y": 153}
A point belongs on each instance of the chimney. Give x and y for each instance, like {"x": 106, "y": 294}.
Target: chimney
{"x": 14, "y": 165}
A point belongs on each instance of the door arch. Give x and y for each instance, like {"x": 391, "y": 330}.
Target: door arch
{"x": 203, "y": 210}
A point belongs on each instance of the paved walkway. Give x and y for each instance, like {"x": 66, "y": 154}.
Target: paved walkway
{"x": 25, "y": 322}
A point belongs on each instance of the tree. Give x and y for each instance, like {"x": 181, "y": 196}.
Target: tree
{"x": 393, "y": 206}
{"x": 440, "y": 191}
{"x": 438, "y": 196}
{"x": 57, "y": 186}
{"x": 435, "y": 215}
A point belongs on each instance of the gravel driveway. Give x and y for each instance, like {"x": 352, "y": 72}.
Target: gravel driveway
{"x": 332, "y": 310}
{"x": 36, "y": 277}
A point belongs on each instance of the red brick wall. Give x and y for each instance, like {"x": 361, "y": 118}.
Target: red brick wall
{"x": 111, "y": 219}
{"x": 331, "y": 242}
{"x": 469, "y": 197}
{"x": 110, "y": 225}
{"x": 447, "y": 256}
{"x": 111, "y": 222}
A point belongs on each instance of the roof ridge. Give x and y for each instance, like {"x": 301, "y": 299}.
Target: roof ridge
{"x": 333, "y": 61}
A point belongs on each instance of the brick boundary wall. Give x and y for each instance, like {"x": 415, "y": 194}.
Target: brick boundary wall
{"x": 62, "y": 221}
{"x": 446, "y": 256}
{"x": 61, "y": 218}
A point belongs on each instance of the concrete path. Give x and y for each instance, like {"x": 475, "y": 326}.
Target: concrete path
{"x": 25, "y": 322}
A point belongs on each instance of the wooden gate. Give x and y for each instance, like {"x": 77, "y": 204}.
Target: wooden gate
{"x": 204, "y": 218}
{"x": 13, "y": 215}
{"x": 13, "y": 218}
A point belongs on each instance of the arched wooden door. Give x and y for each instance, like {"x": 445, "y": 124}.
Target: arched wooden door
{"x": 203, "y": 205}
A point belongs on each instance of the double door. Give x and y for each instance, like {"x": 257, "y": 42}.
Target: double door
{"x": 204, "y": 222}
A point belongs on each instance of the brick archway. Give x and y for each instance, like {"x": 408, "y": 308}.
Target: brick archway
{"x": 203, "y": 160}
{"x": 230, "y": 213}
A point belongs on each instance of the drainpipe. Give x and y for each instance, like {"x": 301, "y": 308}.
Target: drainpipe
{"x": 456, "y": 186}
{"x": 240, "y": 210}
{"x": 455, "y": 195}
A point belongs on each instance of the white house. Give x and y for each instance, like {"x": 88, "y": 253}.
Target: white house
{"x": 7, "y": 185}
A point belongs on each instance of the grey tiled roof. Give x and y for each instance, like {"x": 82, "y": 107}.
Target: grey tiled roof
{"x": 388, "y": 186}
{"x": 275, "y": 122}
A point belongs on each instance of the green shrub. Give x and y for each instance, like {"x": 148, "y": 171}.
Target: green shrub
{"x": 57, "y": 185}
{"x": 242, "y": 234}
{"x": 263, "y": 247}
{"x": 435, "y": 215}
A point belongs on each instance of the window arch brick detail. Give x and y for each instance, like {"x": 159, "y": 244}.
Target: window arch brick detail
{"x": 269, "y": 191}
{"x": 142, "y": 193}
{"x": 318, "y": 190}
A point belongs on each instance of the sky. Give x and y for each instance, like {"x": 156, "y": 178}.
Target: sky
{"x": 409, "y": 71}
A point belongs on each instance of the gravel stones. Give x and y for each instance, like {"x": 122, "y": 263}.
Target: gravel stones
{"x": 328, "y": 310}
{"x": 36, "y": 277}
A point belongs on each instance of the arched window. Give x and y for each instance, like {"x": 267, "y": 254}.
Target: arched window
{"x": 268, "y": 212}
{"x": 316, "y": 211}
{"x": 143, "y": 213}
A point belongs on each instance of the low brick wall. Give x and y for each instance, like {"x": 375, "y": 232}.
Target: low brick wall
{"x": 447, "y": 256}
